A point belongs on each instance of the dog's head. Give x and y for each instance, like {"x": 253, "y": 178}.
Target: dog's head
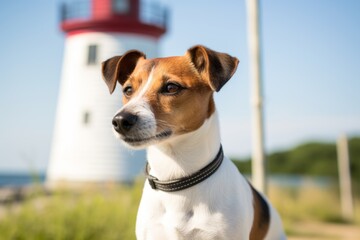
{"x": 165, "y": 97}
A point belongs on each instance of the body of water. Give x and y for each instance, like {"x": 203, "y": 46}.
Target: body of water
{"x": 20, "y": 179}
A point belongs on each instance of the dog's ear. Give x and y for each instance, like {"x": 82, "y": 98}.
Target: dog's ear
{"x": 214, "y": 67}
{"x": 119, "y": 68}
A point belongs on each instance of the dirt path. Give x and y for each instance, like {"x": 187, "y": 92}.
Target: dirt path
{"x": 321, "y": 231}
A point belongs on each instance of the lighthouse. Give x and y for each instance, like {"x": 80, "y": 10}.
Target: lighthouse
{"x": 84, "y": 148}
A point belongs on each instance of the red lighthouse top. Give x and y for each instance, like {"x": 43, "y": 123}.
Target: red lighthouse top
{"x": 125, "y": 16}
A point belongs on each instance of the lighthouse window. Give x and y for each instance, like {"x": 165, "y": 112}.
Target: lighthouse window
{"x": 121, "y": 6}
{"x": 86, "y": 118}
{"x": 92, "y": 55}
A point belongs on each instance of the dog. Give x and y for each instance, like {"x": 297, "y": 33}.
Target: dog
{"x": 193, "y": 191}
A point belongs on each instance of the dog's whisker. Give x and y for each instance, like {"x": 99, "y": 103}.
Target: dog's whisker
{"x": 164, "y": 124}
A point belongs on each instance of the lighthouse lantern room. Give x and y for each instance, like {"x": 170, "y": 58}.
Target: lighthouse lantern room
{"x": 84, "y": 148}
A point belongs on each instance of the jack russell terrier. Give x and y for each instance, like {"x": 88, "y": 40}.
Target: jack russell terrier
{"x": 193, "y": 192}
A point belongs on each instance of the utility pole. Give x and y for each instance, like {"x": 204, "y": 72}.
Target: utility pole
{"x": 258, "y": 155}
{"x": 347, "y": 206}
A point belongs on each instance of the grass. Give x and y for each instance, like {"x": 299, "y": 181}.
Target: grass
{"x": 109, "y": 212}
{"x": 309, "y": 203}
{"x": 92, "y": 213}
{"x": 306, "y": 203}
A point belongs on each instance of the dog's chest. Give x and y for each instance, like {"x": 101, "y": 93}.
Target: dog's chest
{"x": 177, "y": 219}
{"x": 196, "y": 223}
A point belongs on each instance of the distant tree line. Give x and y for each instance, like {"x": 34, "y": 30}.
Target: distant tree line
{"x": 311, "y": 159}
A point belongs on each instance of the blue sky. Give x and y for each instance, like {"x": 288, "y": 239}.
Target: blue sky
{"x": 311, "y": 57}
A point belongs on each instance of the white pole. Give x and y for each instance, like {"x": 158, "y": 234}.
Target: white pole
{"x": 347, "y": 207}
{"x": 258, "y": 156}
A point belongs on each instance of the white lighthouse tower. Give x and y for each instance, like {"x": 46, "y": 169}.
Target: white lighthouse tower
{"x": 84, "y": 148}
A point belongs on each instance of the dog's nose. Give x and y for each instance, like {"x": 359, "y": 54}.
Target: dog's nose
{"x": 124, "y": 121}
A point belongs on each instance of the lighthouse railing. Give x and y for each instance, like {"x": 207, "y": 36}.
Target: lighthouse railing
{"x": 153, "y": 13}
{"x": 79, "y": 9}
{"x": 150, "y": 12}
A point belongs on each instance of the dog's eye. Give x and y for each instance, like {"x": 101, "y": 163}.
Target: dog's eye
{"x": 171, "y": 88}
{"x": 128, "y": 91}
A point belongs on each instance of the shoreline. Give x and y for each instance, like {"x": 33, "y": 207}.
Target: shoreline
{"x": 11, "y": 194}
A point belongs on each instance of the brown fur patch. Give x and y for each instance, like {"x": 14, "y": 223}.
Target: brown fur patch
{"x": 261, "y": 221}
